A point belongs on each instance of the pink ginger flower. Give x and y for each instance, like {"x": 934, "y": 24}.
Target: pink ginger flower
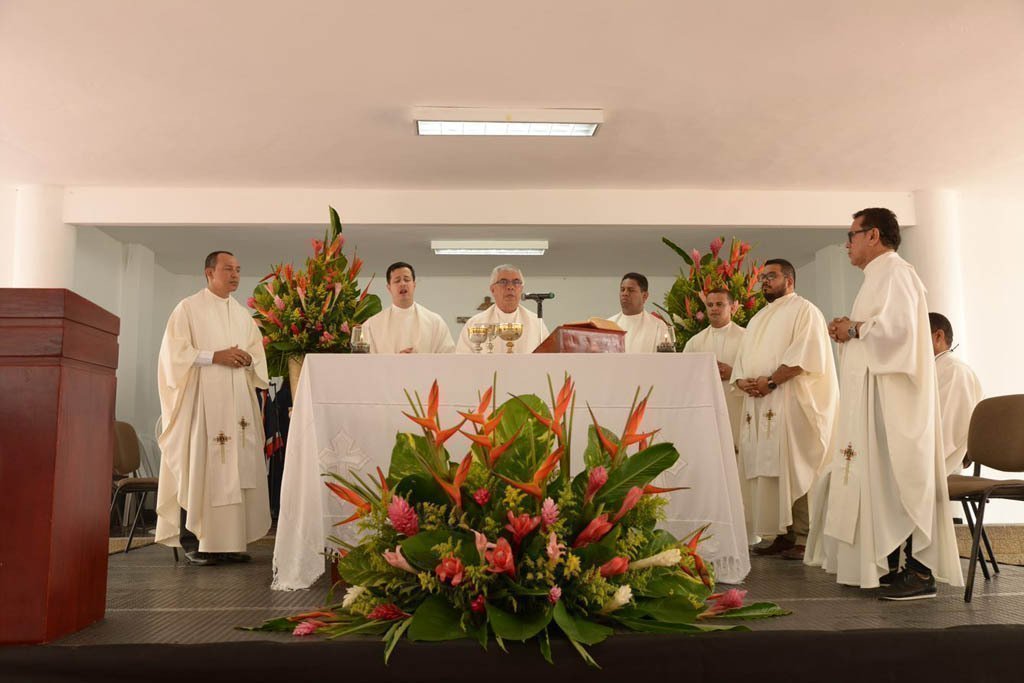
{"x": 724, "y": 602}
{"x": 307, "y": 627}
{"x": 554, "y": 595}
{"x": 278, "y": 303}
{"x": 554, "y": 548}
{"x": 481, "y": 496}
{"x": 699, "y": 316}
{"x": 521, "y": 526}
{"x": 482, "y": 545}
{"x": 403, "y": 517}
{"x": 615, "y": 567}
{"x": 266, "y": 342}
{"x": 629, "y": 502}
{"x": 387, "y": 612}
{"x": 479, "y": 604}
{"x": 695, "y": 255}
{"x": 326, "y": 337}
{"x": 548, "y": 513}
{"x": 251, "y": 302}
{"x": 716, "y": 246}
{"x": 597, "y": 478}
{"x": 397, "y": 560}
{"x": 344, "y": 328}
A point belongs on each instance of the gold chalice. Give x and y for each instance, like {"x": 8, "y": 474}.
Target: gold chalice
{"x": 492, "y": 332}
{"x": 510, "y": 332}
{"x": 477, "y": 335}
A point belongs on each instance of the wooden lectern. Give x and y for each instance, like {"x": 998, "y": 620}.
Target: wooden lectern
{"x": 584, "y": 337}
{"x": 58, "y": 354}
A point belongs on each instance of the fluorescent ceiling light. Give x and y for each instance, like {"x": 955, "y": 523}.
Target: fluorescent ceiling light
{"x": 489, "y": 247}
{"x": 508, "y": 122}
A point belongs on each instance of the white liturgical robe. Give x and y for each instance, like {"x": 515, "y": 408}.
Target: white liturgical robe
{"x": 724, "y": 342}
{"x": 211, "y": 442}
{"x": 416, "y": 327}
{"x": 643, "y": 331}
{"x": 959, "y": 392}
{"x": 886, "y": 480}
{"x": 534, "y": 330}
{"x": 784, "y": 436}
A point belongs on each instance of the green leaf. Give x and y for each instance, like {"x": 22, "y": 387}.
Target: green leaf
{"x": 421, "y": 488}
{"x": 417, "y": 549}
{"x": 367, "y": 308}
{"x": 335, "y": 226}
{"x": 649, "y": 626}
{"x": 593, "y": 454}
{"x": 757, "y": 610}
{"x": 280, "y": 624}
{"x": 545, "y": 647}
{"x": 580, "y": 630}
{"x": 532, "y": 445}
{"x": 678, "y": 250}
{"x": 638, "y": 470}
{"x": 598, "y": 553}
{"x": 672, "y": 610}
{"x": 435, "y": 620}
{"x": 517, "y": 626}
{"x": 584, "y": 654}
{"x": 706, "y": 259}
{"x": 355, "y": 568}
{"x": 668, "y": 583}
{"x": 393, "y": 636}
{"x": 404, "y": 460}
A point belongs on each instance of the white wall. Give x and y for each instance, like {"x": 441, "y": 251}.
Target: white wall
{"x": 8, "y": 205}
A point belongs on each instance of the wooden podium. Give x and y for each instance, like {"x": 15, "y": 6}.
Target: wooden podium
{"x": 583, "y": 338}
{"x": 58, "y": 354}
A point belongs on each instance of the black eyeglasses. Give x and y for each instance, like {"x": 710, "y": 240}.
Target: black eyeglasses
{"x": 850, "y": 234}
{"x": 503, "y": 282}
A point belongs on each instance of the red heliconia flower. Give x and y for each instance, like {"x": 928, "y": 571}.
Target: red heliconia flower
{"x": 629, "y": 502}
{"x": 521, "y": 526}
{"x": 615, "y": 566}
{"x": 403, "y": 517}
{"x": 500, "y": 559}
{"x": 482, "y": 496}
{"x": 479, "y": 604}
{"x": 595, "y": 531}
{"x": 387, "y": 612}
{"x": 450, "y": 570}
{"x": 350, "y": 496}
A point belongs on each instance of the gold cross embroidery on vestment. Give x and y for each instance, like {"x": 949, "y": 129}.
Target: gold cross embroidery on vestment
{"x": 222, "y": 440}
{"x": 849, "y": 454}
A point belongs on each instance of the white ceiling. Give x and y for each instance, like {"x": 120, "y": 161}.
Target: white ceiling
{"x": 574, "y": 251}
{"x": 805, "y": 94}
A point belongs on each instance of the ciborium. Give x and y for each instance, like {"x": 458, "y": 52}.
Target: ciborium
{"x": 477, "y": 336}
{"x": 510, "y": 332}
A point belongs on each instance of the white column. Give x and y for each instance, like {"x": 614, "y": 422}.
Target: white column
{"x": 44, "y": 246}
{"x": 8, "y": 202}
{"x": 932, "y": 246}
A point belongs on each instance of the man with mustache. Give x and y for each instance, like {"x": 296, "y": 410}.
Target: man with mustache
{"x": 406, "y": 326}
{"x": 212, "y": 499}
{"x": 643, "y": 330}
{"x": 507, "y": 289}
{"x": 785, "y": 368}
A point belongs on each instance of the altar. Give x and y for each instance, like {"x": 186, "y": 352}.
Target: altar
{"x": 348, "y": 409}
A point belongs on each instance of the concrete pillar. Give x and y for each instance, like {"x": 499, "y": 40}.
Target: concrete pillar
{"x": 932, "y": 246}
{"x": 44, "y": 246}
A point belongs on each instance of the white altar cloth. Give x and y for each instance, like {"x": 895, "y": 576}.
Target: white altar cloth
{"x": 348, "y": 408}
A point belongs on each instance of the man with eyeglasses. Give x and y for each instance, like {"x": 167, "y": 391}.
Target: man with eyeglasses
{"x": 885, "y": 488}
{"x": 507, "y": 290}
{"x": 643, "y": 330}
{"x": 786, "y": 369}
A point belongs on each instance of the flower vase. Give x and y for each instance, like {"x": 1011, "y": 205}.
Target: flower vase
{"x": 294, "y": 371}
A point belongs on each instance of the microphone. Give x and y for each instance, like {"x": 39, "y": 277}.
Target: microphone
{"x": 539, "y": 298}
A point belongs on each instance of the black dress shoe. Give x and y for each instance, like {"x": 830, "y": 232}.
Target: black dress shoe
{"x": 200, "y": 559}
{"x": 234, "y": 557}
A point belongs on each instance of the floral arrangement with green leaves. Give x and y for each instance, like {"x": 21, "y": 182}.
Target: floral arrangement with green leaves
{"x": 504, "y": 544}
{"x": 312, "y": 310}
{"x": 685, "y": 301}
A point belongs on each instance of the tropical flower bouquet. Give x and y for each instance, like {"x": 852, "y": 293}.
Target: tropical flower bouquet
{"x": 312, "y": 310}
{"x": 504, "y": 544}
{"x": 684, "y": 302}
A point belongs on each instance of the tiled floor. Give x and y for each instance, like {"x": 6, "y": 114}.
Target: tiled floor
{"x": 151, "y": 599}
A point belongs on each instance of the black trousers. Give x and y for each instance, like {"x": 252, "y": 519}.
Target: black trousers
{"x": 894, "y": 559}
{"x": 188, "y": 540}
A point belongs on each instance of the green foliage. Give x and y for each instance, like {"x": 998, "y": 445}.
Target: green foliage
{"x": 639, "y": 470}
{"x": 522, "y": 626}
{"x": 436, "y": 620}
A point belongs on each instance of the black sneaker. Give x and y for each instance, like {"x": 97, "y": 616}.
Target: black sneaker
{"x": 887, "y": 579}
{"x": 200, "y": 559}
{"x": 909, "y": 585}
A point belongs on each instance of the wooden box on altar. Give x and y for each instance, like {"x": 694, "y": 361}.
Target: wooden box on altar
{"x": 58, "y": 355}
{"x": 583, "y": 338}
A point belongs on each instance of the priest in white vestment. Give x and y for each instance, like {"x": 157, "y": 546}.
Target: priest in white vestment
{"x": 959, "y": 392}
{"x": 507, "y": 290}
{"x": 722, "y": 338}
{"x": 786, "y": 369}
{"x": 643, "y": 330}
{"x": 212, "y": 499}
{"x": 885, "y": 488}
{"x": 406, "y": 326}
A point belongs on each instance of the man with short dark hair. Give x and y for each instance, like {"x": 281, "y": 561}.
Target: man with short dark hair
{"x": 213, "y": 497}
{"x": 885, "y": 489}
{"x": 406, "y": 326}
{"x": 786, "y": 369}
{"x": 643, "y": 330}
{"x": 959, "y": 392}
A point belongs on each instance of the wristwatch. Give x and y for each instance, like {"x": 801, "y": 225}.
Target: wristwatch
{"x": 854, "y": 334}
{"x": 772, "y": 384}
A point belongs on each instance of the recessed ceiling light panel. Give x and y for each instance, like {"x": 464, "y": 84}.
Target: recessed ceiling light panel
{"x": 489, "y": 247}
{"x": 467, "y": 121}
